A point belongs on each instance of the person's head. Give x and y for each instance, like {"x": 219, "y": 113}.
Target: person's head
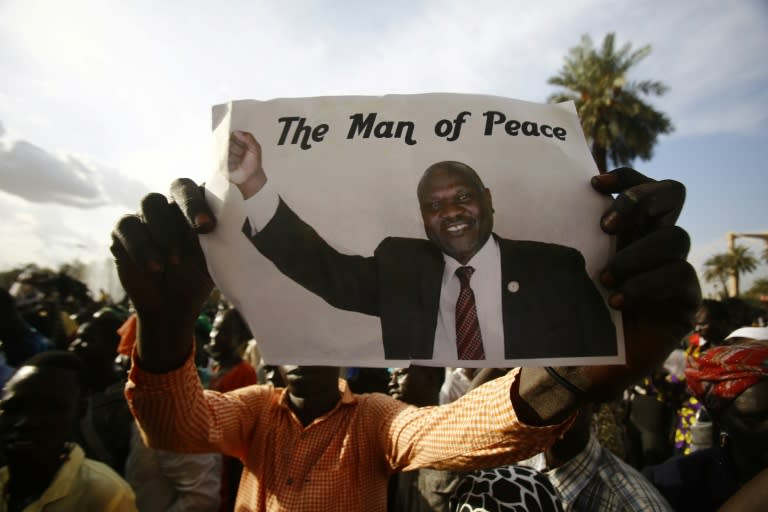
{"x": 417, "y": 385}
{"x": 732, "y": 383}
{"x": 307, "y": 382}
{"x": 456, "y": 208}
{"x": 96, "y": 345}
{"x": 740, "y": 312}
{"x": 40, "y": 405}
{"x": 712, "y": 322}
{"x": 229, "y": 331}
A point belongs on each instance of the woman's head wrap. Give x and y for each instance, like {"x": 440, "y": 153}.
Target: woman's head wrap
{"x": 722, "y": 373}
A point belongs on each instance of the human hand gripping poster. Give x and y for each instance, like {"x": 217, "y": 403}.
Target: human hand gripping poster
{"x": 342, "y": 222}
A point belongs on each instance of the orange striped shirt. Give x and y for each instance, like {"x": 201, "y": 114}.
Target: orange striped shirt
{"x": 342, "y": 460}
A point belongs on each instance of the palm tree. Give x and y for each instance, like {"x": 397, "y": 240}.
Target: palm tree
{"x": 716, "y": 269}
{"x": 617, "y": 123}
{"x": 730, "y": 265}
{"x": 741, "y": 262}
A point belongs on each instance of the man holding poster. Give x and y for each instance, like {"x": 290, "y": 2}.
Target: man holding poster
{"x": 314, "y": 446}
{"x": 463, "y": 294}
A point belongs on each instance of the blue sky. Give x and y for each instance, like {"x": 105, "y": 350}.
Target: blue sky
{"x": 102, "y": 101}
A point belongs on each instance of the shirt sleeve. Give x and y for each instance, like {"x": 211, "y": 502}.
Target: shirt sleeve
{"x": 261, "y": 207}
{"x": 479, "y": 430}
{"x": 174, "y": 412}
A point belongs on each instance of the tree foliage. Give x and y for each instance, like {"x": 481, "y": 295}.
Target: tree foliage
{"x": 729, "y": 265}
{"x": 618, "y": 123}
{"x": 759, "y": 289}
{"x": 716, "y": 269}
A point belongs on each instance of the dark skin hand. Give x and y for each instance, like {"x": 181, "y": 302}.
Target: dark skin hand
{"x": 163, "y": 270}
{"x": 650, "y": 282}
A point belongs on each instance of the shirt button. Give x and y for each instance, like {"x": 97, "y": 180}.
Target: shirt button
{"x": 303, "y": 435}
{"x": 289, "y": 481}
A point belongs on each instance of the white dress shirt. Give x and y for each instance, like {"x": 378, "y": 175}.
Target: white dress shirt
{"x": 486, "y": 284}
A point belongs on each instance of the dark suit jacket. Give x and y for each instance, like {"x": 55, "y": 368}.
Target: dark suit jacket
{"x": 555, "y": 312}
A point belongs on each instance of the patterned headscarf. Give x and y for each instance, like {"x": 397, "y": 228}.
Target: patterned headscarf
{"x": 505, "y": 489}
{"x": 722, "y": 373}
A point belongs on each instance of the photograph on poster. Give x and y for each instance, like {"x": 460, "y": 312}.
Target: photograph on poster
{"x": 444, "y": 229}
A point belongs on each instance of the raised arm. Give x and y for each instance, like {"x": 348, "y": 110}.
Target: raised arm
{"x": 162, "y": 268}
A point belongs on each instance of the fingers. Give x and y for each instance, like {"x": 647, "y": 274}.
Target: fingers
{"x": 191, "y": 200}
{"x": 153, "y": 239}
{"x": 658, "y": 248}
{"x": 619, "y": 180}
{"x": 642, "y": 206}
{"x": 244, "y": 160}
{"x": 673, "y": 284}
{"x": 165, "y": 226}
{"x": 241, "y": 146}
{"x": 651, "y": 205}
{"x": 130, "y": 241}
{"x": 651, "y": 278}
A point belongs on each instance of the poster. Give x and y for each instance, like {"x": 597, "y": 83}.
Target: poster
{"x": 331, "y": 263}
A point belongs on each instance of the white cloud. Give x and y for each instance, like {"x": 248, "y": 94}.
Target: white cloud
{"x": 31, "y": 172}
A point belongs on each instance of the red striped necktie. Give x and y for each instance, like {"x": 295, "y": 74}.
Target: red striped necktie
{"x": 469, "y": 342}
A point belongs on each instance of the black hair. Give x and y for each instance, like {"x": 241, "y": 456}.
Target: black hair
{"x": 454, "y": 166}
{"x": 62, "y": 360}
{"x": 243, "y": 331}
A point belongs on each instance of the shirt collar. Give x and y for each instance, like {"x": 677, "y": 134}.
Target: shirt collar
{"x": 570, "y": 479}
{"x": 484, "y": 258}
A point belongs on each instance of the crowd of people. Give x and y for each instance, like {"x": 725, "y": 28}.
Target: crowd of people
{"x": 699, "y": 388}
{"x": 112, "y": 407}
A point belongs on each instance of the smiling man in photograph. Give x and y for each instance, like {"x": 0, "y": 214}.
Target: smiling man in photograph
{"x": 464, "y": 294}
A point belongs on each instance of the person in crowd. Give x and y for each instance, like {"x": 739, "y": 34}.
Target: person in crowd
{"x": 39, "y": 405}
{"x": 316, "y": 446}
{"x": 712, "y": 324}
{"x": 741, "y": 313}
{"x": 662, "y": 409}
{"x": 96, "y": 343}
{"x": 49, "y": 300}
{"x": 20, "y": 340}
{"x": 588, "y": 477}
{"x": 422, "y": 490}
{"x": 732, "y": 383}
{"x": 229, "y": 372}
{"x": 105, "y": 429}
{"x": 173, "y": 482}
